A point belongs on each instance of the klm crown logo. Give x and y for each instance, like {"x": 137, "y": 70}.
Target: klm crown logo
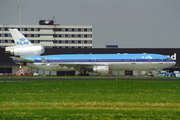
{"x": 22, "y": 42}
{"x": 22, "y": 39}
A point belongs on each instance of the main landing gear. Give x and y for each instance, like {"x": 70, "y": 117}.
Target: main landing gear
{"x": 151, "y": 75}
{"x": 83, "y": 74}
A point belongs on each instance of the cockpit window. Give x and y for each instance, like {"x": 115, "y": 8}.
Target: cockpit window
{"x": 168, "y": 59}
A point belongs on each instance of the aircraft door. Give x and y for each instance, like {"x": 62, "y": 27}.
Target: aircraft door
{"x": 94, "y": 61}
{"x": 160, "y": 60}
{"x": 133, "y": 60}
{"x": 133, "y": 64}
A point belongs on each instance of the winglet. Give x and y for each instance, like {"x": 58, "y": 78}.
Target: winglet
{"x": 45, "y": 61}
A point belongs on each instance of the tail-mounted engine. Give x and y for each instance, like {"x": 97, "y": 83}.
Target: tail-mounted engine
{"x": 26, "y": 51}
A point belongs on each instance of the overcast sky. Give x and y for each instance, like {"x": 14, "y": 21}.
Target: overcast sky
{"x": 126, "y": 23}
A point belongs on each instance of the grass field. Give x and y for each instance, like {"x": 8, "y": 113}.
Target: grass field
{"x": 90, "y": 100}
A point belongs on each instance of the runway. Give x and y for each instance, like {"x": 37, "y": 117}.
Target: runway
{"x": 86, "y": 79}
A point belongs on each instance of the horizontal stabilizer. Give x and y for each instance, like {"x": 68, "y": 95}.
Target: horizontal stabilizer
{"x": 21, "y": 59}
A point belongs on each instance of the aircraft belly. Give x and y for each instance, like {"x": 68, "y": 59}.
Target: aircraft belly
{"x": 151, "y": 66}
{"x": 140, "y": 65}
{"x": 119, "y": 66}
{"x": 146, "y": 66}
{"x": 51, "y": 67}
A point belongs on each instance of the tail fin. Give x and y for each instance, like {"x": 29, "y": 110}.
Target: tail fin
{"x": 19, "y": 39}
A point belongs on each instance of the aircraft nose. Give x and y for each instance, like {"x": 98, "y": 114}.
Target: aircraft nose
{"x": 174, "y": 63}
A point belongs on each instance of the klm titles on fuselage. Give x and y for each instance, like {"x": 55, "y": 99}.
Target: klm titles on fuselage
{"x": 22, "y": 42}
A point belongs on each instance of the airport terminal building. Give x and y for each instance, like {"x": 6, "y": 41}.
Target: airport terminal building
{"x": 50, "y": 35}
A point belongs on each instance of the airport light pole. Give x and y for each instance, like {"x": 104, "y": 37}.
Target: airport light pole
{"x": 20, "y": 6}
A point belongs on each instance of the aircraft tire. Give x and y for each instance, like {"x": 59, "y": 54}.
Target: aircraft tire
{"x": 172, "y": 75}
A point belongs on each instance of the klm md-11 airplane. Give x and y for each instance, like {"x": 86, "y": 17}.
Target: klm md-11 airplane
{"x": 98, "y": 63}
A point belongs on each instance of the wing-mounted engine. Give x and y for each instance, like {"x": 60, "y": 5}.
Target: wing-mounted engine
{"x": 101, "y": 69}
{"x": 25, "y": 51}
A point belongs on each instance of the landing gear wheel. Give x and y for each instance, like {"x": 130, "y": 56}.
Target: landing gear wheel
{"x": 81, "y": 74}
{"x": 151, "y": 75}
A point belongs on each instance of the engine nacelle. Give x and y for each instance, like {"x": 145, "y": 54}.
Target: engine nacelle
{"x": 101, "y": 69}
{"x": 27, "y": 51}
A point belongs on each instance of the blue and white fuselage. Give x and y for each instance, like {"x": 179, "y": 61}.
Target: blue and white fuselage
{"x": 91, "y": 61}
